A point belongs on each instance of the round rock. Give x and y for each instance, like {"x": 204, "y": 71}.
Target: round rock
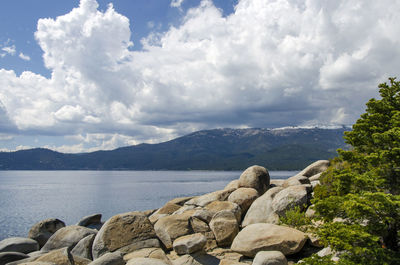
{"x": 270, "y": 258}
{"x": 19, "y": 244}
{"x": 44, "y": 229}
{"x": 255, "y": 177}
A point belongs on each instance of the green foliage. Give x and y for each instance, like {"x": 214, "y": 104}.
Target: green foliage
{"x": 361, "y": 187}
{"x": 295, "y": 218}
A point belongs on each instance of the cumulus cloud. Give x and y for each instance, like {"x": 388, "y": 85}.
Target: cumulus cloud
{"x": 24, "y": 57}
{"x": 269, "y": 64}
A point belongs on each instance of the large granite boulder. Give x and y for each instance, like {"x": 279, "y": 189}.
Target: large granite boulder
{"x": 189, "y": 243}
{"x": 270, "y": 258}
{"x": 91, "y": 221}
{"x": 84, "y": 247}
{"x": 62, "y": 257}
{"x": 154, "y": 253}
{"x": 67, "y": 236}
{"x": 255, "y": 177}
{"x": 315, "y": 168}
{"x": 219, "y": 195}
{"x": 261, "y": 210}
{"x": 289, "y": 198}
{"x": 171, "y": 227}
{"x": 124, "y": 232}
{"x": 217, "y": 206}
{"x": 167, "y": 209}
{"x": 10, "y": 256}
{"x": 146, "y": 261}
{"x": 225, "y": 227}
{"x": 19, "y": 244}
{"x": 243, "y": 197}
{"x": 296, "y": 180}
{"x": 265, "y": 237}
{"x": 112, "y": 258}
{"x": 44, "y": 229}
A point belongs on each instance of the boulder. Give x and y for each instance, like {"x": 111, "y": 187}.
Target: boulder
{"x": 234, "y": 184}
{"x": 167, "y": 209}
{"x": 125, "y": 232}
{"x": 189, "y": 244}
{"x": 62, "y": 257}
{"x": 219, "y": 195}
{"x": 198, "y": 258}
{"x": 171, "y": 227}
{"x": 255, "y": 177}
{"x": 217, "y": 206}
{"x": 44, "y": 229}
{"x": 84, "y": 247}
{"x": 203, "y": 215}
{"x": 296, "y": 180}
{"x": 180, "y": 200}
{"x": 261, "y": 210}
{"x": 19, "y": 244}
{"x": 67, "y": 236}
{"x": 276, "y": 183}
{"x": 112, "y": 258}
{"x": 145, "y": 261}
{"x": 198, "y": 226}
{"x": 225, "y": 227}
{"x": 270, "y": 258}
{"x": 265, "y": 237}
{"x": 315, "y": 177}
{"x": 9, "y": 256}
{"x": 315, "y": 168}
{"x": 154, "y": 253}
{"x": 91, "y": 221}
{"x": 243, "y": 197}
{"x": 289, "y": 198}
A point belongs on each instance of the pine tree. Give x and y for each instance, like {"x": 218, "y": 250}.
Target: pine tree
{"x": 362, "y": 187}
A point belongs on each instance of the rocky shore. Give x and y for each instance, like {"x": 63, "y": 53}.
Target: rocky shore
{"x": 236, "y": 225}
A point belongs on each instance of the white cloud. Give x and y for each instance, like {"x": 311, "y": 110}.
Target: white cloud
{"x": 176, "y": 3}
{"x": 270, "y": 63}
{"x": 11, "y": 50}
{"x": 24, "y": 57}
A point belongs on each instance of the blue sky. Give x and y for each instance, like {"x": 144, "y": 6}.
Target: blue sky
{"x": 79, "y": 76}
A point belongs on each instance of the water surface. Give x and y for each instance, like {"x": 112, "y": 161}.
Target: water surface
{"x": 30, "y": 196}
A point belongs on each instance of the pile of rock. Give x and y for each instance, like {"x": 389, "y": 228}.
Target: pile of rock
{"x": 233, "y": 226}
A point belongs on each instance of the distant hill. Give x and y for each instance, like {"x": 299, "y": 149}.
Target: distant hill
{"x": 219, "y": 149}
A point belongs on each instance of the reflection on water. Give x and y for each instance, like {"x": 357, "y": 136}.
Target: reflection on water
{"x": 30, "y": 196}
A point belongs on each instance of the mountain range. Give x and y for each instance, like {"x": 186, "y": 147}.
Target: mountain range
{"x": 218, "y": 149}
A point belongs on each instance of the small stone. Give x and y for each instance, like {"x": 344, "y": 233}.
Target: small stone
{"x": 270, "y": 258}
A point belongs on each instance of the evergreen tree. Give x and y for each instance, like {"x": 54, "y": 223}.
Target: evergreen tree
{"x": 358, "y": 200}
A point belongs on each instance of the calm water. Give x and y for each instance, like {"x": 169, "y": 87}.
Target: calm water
{"x": 27, "y": 197}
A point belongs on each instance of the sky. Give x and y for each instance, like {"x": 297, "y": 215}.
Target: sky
{"x": 79, "y": 76}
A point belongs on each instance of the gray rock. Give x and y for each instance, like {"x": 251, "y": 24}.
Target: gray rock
{"x": 261, "y": 210}
{"x": 205, "y": 199}
{"x": 125, "y": 232}
{"x": 265, "y": 237}
{"x": 19, "y": 244}
{"x": 203, "y": 215}
{"x": 91, "y": 221}
{"x": 315, "y": 168}
{"x": 243, "y": 197}
{"x": 44, "y": 229}
{"x": 146, "y": 261}
{"x": 296, "y": 180}
{"x": 171, "y": 227}
{"x": 84, "y": 247}
{"x": 270, "y": 258}
{"x": 114, "y": 258}
{"x": 189, "y": 244}
{"x": 225, "y": 227}
{"x": 67, "y": 236}
{"x": 289, "y": 198}
{"x": 218, "y": 206}
{"x": 6, "y": 257}
{"x": 255, "y": 177}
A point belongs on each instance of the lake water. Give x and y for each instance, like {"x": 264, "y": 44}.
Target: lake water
{"x": 27, "y": 197}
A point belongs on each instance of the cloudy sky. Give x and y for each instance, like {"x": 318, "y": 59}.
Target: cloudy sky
{"x": 85, "y": 75}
